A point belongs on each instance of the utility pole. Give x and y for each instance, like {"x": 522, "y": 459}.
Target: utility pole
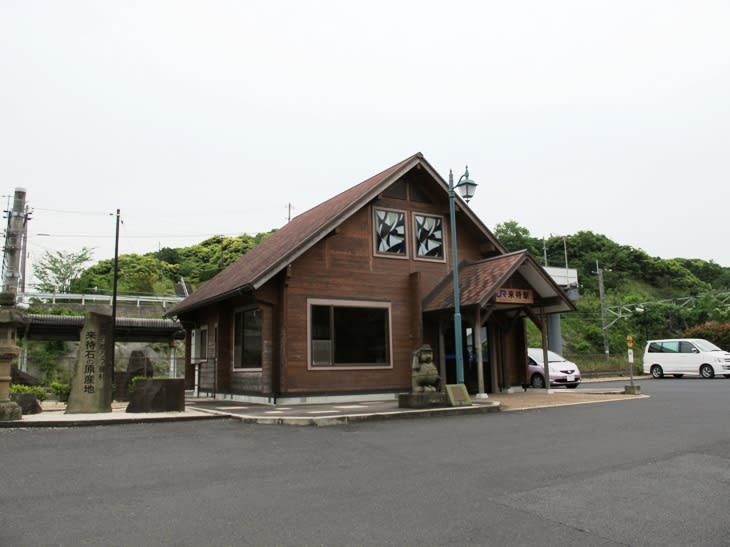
{"x": 114, "y": 294}
{"x": 602, "y": 296}
{"x": 24, "y": 256}
{"x": 13, "y": 249}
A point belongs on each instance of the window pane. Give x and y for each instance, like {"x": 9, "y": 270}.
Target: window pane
{"x": 321, "y": 323}
{"x": 237, "y": 339}
{"x": 670, "y": 347}
{"x": 417, "y": 194}
{"x": 390, "y": 232}
{"x": 203, "y": 343}
{"x": 429, "y": 236}
{"x": 360, "y": 335}
{"x": 247, "y": 339}
{"x": 251, "y": 339}
{"x": 397, "y": 190}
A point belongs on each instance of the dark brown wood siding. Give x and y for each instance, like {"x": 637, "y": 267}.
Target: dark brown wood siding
{"x": 344, "y": 267}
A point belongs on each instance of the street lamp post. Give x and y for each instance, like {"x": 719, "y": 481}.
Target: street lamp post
{"x": 466, "y": 188}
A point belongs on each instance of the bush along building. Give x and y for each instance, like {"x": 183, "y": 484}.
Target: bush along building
{"x": 335, "y": 302}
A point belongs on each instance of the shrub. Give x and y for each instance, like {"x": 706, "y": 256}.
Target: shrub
{"x": 717, "y": 333}
{"x": 61, "y": 390}
{"x": 39, "y": 392}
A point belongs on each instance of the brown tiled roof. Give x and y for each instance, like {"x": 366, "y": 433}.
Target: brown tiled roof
{"x": 278, "y": 250}
{"x": 477, "y": 282}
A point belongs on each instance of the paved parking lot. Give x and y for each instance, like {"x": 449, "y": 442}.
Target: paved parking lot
{"x": 589, "y": 474}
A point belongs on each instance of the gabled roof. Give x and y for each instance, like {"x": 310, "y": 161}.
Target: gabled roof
{"x": 285, "y": 245}
{"x": 479, "y": 282}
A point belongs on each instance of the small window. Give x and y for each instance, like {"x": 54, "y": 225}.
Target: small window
{"x": 417, "y": 194}
{"x": 247, "y": 339}
{"x": 429, "y": 234}
{"x": 390, "y": 232}
{"x": 396, "y": 190}
{"x": 200, "y": 343}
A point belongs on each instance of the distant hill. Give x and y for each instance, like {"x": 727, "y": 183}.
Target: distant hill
{"x": 631, "y": 276}
{"x": 676, "y": 294}
{"x": 159, "y": 272}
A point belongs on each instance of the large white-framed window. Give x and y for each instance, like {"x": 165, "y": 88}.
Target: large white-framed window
{"x": 248, "y": 339}
{"x": 428, "y": 232}
{"x": 347, "y": 334}
{"x": 391, "y": 234}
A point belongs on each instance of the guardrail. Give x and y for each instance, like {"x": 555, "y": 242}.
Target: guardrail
{"x": 52, "y": 298}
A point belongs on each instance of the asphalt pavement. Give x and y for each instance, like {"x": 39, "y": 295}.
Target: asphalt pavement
{"x": 649, "y": 471}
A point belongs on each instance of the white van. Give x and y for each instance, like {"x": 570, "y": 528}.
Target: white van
{"x": 680, "y": 356}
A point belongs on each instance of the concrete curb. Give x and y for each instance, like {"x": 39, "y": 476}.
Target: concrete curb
{"x": 343, "y": 419}
{"x": 97, "y": 421}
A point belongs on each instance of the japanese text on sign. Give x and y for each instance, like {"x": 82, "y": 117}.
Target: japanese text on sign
{"x": 514, "y": 296}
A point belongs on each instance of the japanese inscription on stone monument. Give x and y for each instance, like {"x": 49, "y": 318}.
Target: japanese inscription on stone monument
{"x": 91, "y": 389}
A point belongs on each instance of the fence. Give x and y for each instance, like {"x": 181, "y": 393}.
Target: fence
{"x": 594, "y": 365}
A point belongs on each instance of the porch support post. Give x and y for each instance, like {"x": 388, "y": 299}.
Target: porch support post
{"x": 442, "y": 356}
{"x": 478, "y": 343}
{"x": 545, "y": 362}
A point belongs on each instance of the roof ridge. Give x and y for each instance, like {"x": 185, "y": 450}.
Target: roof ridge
{"x": 284, "y": 243}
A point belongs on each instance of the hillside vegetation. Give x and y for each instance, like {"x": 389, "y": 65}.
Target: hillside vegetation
{"x": 158, "y": 273}
{"x": 657, "y": 297}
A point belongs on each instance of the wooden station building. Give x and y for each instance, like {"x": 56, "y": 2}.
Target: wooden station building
{"x": 336, "y": 301}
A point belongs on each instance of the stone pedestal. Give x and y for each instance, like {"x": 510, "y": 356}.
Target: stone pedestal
{"x": 632, "y": 389}
{"x": 91, "y": 385}
{"x": 10, "y": 319}
{"x": 428, "y": 399}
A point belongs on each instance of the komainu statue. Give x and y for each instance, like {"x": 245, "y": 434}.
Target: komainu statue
{"x": 424, "y": 374}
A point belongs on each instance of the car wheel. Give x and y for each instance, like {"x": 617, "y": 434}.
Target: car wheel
{"x": 678, "y": 375}
{"x": 706, "y": 371}
{"x": 537, "y": 381}
{"x": 572, "y": 386}
{"x": 657, "y": 372}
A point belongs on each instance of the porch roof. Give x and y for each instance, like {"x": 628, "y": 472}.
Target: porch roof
{"x": 480, "y": 281}
{"x": 286, "y": 244}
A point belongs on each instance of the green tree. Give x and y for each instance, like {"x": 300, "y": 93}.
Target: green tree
{"x": 56, "y": 271}
{"x": 516, "y": 237}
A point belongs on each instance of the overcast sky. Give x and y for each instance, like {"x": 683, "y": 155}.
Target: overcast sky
{"x": 211, "y": 117}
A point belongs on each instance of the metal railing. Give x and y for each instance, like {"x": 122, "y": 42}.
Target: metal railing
{"x": 53, "y": 298}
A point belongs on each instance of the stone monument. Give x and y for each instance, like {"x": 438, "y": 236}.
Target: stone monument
{"x": 91, "y": 385}
{"x": 424, "y": 382}
{"x": 10, "y": 319}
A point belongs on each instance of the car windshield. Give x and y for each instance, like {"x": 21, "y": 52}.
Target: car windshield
{"x": 553, "y": 357}
{"x": 704, "y": 345}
